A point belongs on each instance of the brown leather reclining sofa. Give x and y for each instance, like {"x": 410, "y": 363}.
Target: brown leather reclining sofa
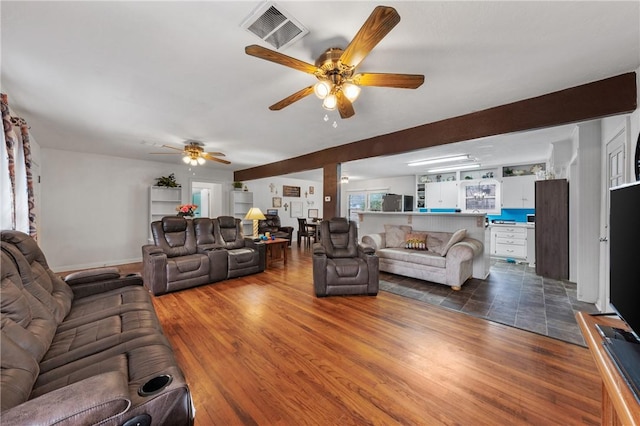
{"x": 85, "y": 350}
{"x": 188, "y": 253}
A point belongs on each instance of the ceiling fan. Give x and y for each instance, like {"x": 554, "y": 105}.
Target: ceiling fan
{"x": 338, "y": 84}
{"x": 193, "y": 153}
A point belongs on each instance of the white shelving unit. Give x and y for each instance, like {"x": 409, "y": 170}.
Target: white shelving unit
{"x": 163, "y": 202}
{"x": 240, "y": 202}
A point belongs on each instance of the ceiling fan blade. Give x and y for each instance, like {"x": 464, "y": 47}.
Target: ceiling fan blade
{"x": 165, "y": 153}
{"x": 217, "y": 154}
{"x": 219, "y": 160}
{"x": 377, "y": 26}
{"x": 279, "y": 58}
{"x": 173, "y": 147}
{"x": 292, "y": 98}
{"x": 402, "y": 81}
{"x": 345, "y": 107}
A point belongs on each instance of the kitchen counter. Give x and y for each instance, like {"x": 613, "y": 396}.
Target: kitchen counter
{"x": 516, "y": 224}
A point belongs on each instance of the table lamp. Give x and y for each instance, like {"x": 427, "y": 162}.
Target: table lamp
{"x": 254, "y": 214}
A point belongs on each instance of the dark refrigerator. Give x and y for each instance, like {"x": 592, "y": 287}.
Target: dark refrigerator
{"x": 552, "y": 228}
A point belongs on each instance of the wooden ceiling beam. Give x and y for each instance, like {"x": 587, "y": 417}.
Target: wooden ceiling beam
{"x": 611, "y": 96}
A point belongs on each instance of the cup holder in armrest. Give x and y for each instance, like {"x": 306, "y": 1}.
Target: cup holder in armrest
{"x": 155, "y": 385}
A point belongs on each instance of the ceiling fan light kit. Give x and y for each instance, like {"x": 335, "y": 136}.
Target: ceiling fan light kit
{"x": 194, "y": 155}
{"x": 338, "y": 86}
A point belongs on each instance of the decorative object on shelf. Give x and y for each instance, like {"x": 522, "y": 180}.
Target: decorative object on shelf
{"x": 246, "y": 188}
{"x": 185, "y": 210}
{"x": 290, "y": 191}
{"x": 255, "y": 214}
{"x": 276, "y": 202}
{"x": 536, "y": 169}
{"x": 237, "y": 185}
{"x": 272, "y": 186}
{"x": 168, "y": 181}
{"x": 508, "y": 171}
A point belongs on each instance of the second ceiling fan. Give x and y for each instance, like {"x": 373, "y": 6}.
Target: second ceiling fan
{"x": 338, "y": 84}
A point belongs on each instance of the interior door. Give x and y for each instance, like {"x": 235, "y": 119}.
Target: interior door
{"x": 615, "y": 175}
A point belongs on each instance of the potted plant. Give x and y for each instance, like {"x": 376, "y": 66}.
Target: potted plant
{"x": 168, "y": 181}
{"x": 237, "y": 186}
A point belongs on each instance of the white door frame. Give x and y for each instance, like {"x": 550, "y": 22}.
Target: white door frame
{"x": 217, "y": 199}
{"x": 614, "y": 146}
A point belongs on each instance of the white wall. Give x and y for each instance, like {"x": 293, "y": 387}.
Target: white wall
{"x": 95, "y": 208}
{"x": 586, "y": 210}
{"x": 263, "y": 194}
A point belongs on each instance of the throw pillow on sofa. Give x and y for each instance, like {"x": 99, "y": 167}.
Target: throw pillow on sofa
{"x": 416, "y": 241}
{"x": 395, "y": 235}
{"x": 455, "y": 238}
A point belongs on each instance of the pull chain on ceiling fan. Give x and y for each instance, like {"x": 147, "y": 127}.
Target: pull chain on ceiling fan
{"x": 338, "y": 85}
{"x": 193, "y": 154}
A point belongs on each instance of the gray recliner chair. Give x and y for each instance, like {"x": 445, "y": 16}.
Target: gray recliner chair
{"x": 174, "y": 262}
{"x": 341, "y": 266}
{"x": 244, "y": 255}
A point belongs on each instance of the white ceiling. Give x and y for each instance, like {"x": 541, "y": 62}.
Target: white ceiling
{"x": 117, "y": 78}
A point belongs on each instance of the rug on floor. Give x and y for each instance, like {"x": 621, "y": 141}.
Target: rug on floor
{"x": 512, "y": 295}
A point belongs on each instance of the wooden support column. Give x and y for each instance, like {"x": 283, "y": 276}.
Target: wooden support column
{"x": 331, "y": 190}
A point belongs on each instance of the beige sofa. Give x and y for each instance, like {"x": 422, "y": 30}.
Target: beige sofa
{"x": 440, "y": 257}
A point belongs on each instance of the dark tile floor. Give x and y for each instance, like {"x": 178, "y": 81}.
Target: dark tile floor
{"x": 512, "y": 294}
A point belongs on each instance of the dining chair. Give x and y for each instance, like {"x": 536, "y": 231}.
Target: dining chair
{"x": 306, "y": 231}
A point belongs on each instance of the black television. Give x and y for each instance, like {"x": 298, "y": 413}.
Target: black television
{"x": 624, "y": 282}
{"x": 624, "y": 253}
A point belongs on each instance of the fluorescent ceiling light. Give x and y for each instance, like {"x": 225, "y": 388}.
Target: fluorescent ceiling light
{"x": 439, "y": 160}
{"x": 456, "y": 167}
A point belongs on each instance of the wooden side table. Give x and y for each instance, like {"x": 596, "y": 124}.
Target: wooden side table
{"x": 276, "y": 251}
{"x": 619, "y": 406}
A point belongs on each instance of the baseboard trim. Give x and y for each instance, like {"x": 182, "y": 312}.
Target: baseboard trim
{"x": 62, "y": 268}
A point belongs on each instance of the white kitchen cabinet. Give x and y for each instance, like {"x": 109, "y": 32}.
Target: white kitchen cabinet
{"x": 509, "y": 242}
{"x": 518, "y": 192}
{"x": 442, "y": 195}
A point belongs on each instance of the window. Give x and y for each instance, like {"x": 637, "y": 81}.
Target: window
{"x": 356, "y": 204}
{"x": 375, "y": 201}
{"x": 482, "y": 197}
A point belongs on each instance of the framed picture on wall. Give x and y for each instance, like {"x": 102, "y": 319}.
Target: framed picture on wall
{"x": 290, "y": 191}
{"x": 311, "y": 190}
{"x": 277, "y": 202}
{"x": 296, "y": 209}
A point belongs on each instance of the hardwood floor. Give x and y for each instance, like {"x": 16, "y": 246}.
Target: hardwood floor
{"x": 263, "y": 350}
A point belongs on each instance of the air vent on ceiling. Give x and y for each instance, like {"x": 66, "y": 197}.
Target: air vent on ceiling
{"x": 274, "y": 25}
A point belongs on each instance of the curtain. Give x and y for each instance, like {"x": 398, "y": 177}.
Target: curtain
{"x": 18, "y": 202}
